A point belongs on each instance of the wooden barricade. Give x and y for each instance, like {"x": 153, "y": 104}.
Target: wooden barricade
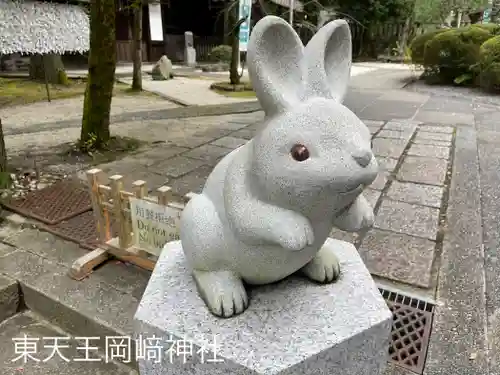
{"x": 112, "y": 201}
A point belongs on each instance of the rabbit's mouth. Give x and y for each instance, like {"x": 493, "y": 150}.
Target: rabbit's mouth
{"x": 359, "y": 188}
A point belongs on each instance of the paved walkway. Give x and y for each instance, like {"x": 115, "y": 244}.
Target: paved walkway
{"x": 188, "y": 91}
{"x": 22, "y": 117}
{"x": 436, "y": 233}
{"x": 192, "y": 91}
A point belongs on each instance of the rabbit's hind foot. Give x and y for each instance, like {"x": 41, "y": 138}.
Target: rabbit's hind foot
{"x": 223, "y": 292}
{"x": 324, "y": 268}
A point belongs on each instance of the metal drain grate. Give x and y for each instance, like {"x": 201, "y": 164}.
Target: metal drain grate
{"x": 411, "y": 328}
{"x": 53, "y": 204}
{"x": 80, "y": 229}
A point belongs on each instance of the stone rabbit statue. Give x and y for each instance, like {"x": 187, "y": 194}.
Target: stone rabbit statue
{"x": 268, "y": 207}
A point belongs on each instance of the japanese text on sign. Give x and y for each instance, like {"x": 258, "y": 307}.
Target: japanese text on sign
{"x": 153, "y": 225}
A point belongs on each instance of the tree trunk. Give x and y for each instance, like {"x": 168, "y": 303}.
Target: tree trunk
{"x": 495, "y": 11}
{"x": 458, "y": 18}
{"x": 403, "y": 38}
{"x": 137, "y": 48}
{"x": 50, "y": 64}
{"x": 101, "y": 76}
{"x": 3, "y": 152}
{"x": 225, "y": 40}
{"x": 234, "y": 75}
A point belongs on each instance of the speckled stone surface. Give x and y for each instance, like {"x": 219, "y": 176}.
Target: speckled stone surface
{"x": 268, "y": 206}
{"x": 43, "y": 27}
{"x": 292, "y": 327}
{"x": 412, "y": 219}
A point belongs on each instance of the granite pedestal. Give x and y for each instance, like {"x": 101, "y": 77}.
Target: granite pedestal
{"x": 291, "y": 327}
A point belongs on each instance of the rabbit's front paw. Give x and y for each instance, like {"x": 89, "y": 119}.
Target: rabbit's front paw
{"x": 295, "y": 232}
{"x": 324, "y": 267}
{"x": 223, "y": 292}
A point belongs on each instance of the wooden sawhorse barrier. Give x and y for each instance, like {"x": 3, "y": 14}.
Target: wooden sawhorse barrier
{"x": 113, "y": 200}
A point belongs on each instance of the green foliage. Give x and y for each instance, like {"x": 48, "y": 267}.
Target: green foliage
{"x": 5, "y": 180}
{"x": 452, "y": 55}
{"x": 417, "y": 46}
{"x": 221, "y": 53}
{"x": 436, "y": 11}
{"x": 89, "y": 144}
{"x": 62, "y": 77}
{"x": 365, "y": 12}
{"x": 489, "y": 64}
{"x": 492, "y": 28}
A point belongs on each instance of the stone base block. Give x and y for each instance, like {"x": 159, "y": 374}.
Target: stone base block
{"x": 291, "y": 327}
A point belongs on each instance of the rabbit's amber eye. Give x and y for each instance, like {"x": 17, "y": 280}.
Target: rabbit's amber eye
{"x": 299, "y": 152}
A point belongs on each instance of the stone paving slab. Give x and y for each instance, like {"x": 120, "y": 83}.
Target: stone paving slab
{"x": 396, "y": 370}
{"x": 387, "y": 164}
{"x": 46, "y": 246}
{"x": 410, "y": 97}
{"x": 230, "y": 142}
{"x": 192, "y": 181}
{"x": 178, "y": 166}
{"x": 439, "y": 128}
{"x": 408, "y": 219}
{"x": 395, "y": 134}
{"x": 388, "y": 147}
{"x": 439, "y": 152}
{"x": 401, "y": 125}
{"x": 423, "y": 170}
{"x": 245, "y": 133}
{"x": 431, "y": 142}
{"x": 453, "y": 118}
{"x": 208, "y": 153}
{"x": 424, "y": 195}
{"x": 433, "y": 136}
{"x": 398, "y": 257}
{"x": 381, "y": 181}
{"x": 450, "y": 105}
{"x": 392, "y": 109}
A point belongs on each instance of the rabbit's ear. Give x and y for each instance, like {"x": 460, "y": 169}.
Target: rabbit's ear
{"x": 329, "y": 58}
{"x": 276, "y": 64}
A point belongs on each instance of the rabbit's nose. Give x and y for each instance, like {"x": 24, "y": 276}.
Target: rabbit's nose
{"x": 363, "y": 158}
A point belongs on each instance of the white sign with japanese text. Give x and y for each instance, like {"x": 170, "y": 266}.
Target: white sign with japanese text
{"x": 153, "y": 225}
{"x": 245, "y": 11}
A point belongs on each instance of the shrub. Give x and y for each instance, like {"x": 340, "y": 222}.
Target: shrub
{"x": 489, "y": 64}
{"x": 221, "y": 53}
{"x": 417, "y": 45}
{"x": 492, "y": 28}
{"x": 62, "y": 77}
{"x": 452, "y": 55}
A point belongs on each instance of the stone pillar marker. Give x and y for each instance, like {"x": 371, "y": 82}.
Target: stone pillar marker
{"x": 255, "y": 285}
{"x": 189, "y": 50}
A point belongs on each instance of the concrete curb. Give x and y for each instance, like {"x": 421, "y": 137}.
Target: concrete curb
{"x": 159, "y": 114}
{"x": 10, "y": 298}
{"x": 45, "y": 288}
